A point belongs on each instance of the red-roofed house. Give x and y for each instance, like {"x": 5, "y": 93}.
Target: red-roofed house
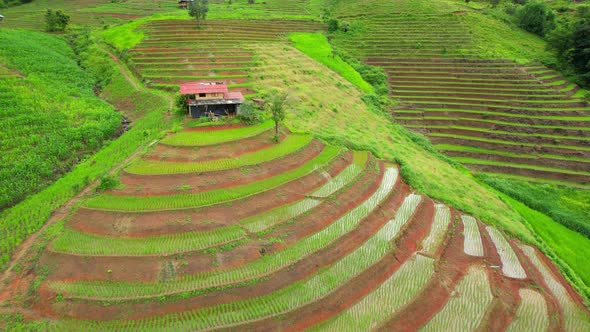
{"x": 210, "y": 99}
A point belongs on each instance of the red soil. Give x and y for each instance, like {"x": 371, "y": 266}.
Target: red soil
{"x": 170, "y": 184}
{"x": 229, "y": 150}
{"x": 201, "y": 219}
{"x": 143, "y": 268}
{"x": 278, "y": 280}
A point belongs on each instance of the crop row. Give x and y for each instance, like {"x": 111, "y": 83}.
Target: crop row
{"x": 465, "y": 311}
{"x": 289, "y": 145}
{"x": 264, "y": 266}
{"x": 374, "y": 309}
{"x": 531, "y": 314}
{"x": 276, "y": 303}
{"x": 442, "y": 218}
{"x": 206, "y": 198}
{"x": 197, "y": 138}
{"x": 575, "y": 319}
{"x": 282, "y": 214}
{"x": 73, "y": 242}
{"x": 473, "y": 245}
{"x": 511, "y": 266}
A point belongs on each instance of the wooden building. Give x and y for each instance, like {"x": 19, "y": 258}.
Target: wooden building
{"x": 184, "y": 3}
{"x": 210, "y": 99}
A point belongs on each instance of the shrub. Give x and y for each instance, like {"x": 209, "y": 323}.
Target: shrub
{"x": 108, "y": 182}
{"x": 333, "y": 25}
{"x": 249, "y": 113}
{"x": 56, "y": 20}
{"x": 537, "y": 18}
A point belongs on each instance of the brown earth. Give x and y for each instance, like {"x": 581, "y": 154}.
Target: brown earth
{"x": 170, "y": 184}
{"x": 206, "y": 218}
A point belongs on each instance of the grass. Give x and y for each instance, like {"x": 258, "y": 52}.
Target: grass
{"x": 475, "y": 161}
{"x": 289, "y": 145}
{"x": 216, "y": 196}
{"x": 566, "y": 205}
{"x": 264, "y": 266}
{"x": 567, "y": 248}
{"x": 50, "y": 116}
{"x": 204, "y": 138}
{"x": 25, "y": 218}
{"x": 329, "y": 107}
{"x": 316, "y": 46}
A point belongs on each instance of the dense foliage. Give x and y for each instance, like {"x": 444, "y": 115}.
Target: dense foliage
{"x": 56, "y": 20}
{"x": 9, "y": 3}
{"x": 571, "y": 41}
{"x": 536, "y": 17}
{"x": 566, "y": 205}
{"x": 50, "y": 116}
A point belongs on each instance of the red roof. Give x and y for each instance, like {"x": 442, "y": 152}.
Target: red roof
{"x": 234, "y": 95}
{"x": 201, "y": 87}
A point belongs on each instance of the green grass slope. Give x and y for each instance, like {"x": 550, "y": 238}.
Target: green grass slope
{"x": 51, "y": 117}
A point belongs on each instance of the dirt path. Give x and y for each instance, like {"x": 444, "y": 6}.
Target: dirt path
{"x": 123, "y": 69}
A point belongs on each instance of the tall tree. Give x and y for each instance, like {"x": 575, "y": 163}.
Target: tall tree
{"x": 277, "y": 109}
{"x": 198, "y": 9}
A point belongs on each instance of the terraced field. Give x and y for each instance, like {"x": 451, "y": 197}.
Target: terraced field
{"x": 494, "y": 116}
{"x": 174, "y": 51}
{"x": 241, "y": 233}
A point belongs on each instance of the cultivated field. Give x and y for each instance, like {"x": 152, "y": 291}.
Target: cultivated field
{"x": 495, "y": 116}
{"x": 294, "y": 235}
{"x": 175, "y": 51}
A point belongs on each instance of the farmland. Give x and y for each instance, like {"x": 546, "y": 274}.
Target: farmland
{"x": 347, "y": 219}
{"x": 354, "y": 236}
{"x": 501, "y": 112}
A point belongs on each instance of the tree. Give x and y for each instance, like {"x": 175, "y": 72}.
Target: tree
{"x": 580, "y": 54}
{"x": 277, "y": 110}
{"x": 251, "y": 2}
{"x": 198, "y": 9}
{"x": 537, "y": 18}
{"x": 56, "y": 20}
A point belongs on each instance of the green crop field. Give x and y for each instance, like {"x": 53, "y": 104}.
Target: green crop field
{"x": 429, "y": 168}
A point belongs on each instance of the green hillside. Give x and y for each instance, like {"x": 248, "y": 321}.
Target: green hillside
{"x": 51, "y": 118}
{"x": 431, "y": 172}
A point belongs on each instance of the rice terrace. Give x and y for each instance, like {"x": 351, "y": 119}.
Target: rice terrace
{"x": 290, "y": 165}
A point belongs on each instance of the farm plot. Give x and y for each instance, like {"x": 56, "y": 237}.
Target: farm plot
{"x": 466, "y": 310}
{"x": 353, "y": 240}
{"x": 164, "y": 60}
{"x": 493, "y": 115}
{"x": 511, "y": 267}
{"x": 518, "y": 130}
{"x": 532, "y": 313}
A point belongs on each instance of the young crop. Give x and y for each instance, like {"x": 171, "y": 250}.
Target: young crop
{"x": 73, "y": 242}
{"x": 511, "y": 266}
{"x": 466, "y": 310}
{"x": 182, "y": 201}
{"x": 472, "y": 245}
{"x": 442, "y": 218}
{"x": 281, "y": 214}
{"x": 200, "y": 138}
{"x": 284, "y": 300}
{"x": 531, "y": 314}
{"x": 290, "y": 145}
{"x": 374, "y": 309}
{"x": 575, "y": 318}
{"x": 264, "y": 266}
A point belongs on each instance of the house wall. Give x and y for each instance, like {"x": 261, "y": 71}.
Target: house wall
{"x": 198, "y": 111}
{"x": 210, "y": 96}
